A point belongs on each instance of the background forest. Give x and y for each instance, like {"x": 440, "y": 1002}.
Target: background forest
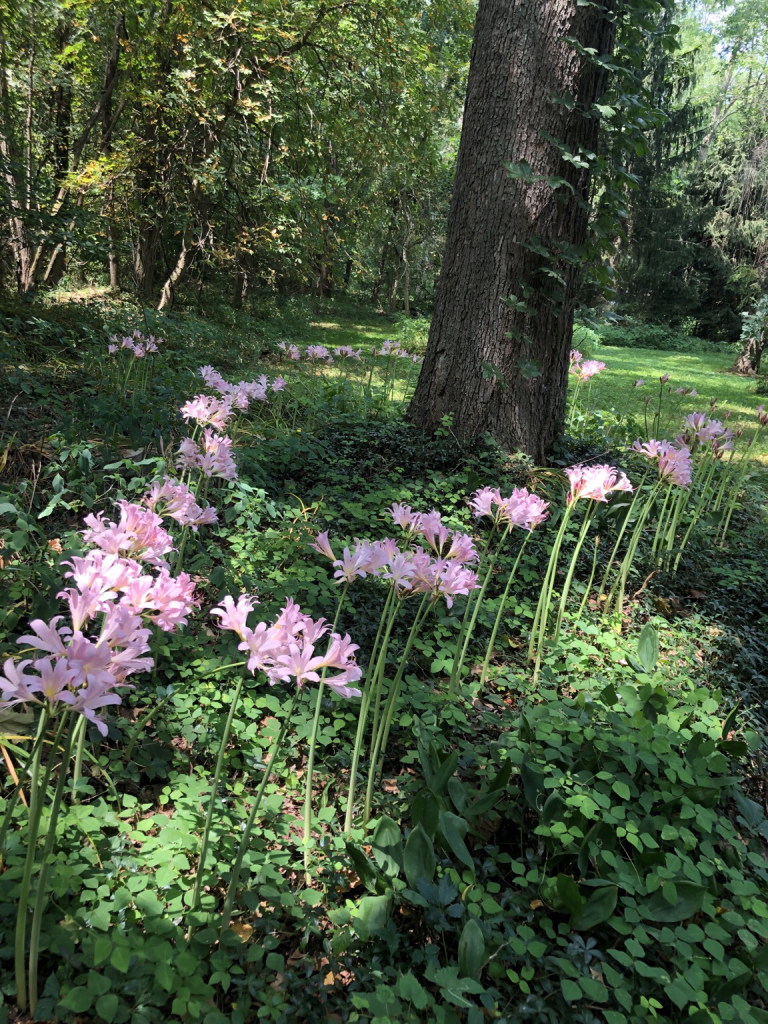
{"x": 200, "y": 156}
{"x": 383, "y": 524}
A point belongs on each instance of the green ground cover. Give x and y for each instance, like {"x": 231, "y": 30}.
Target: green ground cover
{"x": 585, "y": 847}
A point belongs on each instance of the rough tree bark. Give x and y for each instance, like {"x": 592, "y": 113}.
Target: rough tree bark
{"x": 520, "y": 62}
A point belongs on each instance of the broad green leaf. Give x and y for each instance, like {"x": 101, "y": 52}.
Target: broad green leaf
{"x": 471, "y": 949}
{"x": 569, "y": 894}
{"x": 648, "y": 647}
{"x": 453, "y": 829}
{"x": 412, "y": 991}
{"x": 106, "y": 1006}
{"x": 387, "y": 846}
{"x": 597, "y": 909}
{"x": 418, "y": 857}
{"x": 690, "y": 898}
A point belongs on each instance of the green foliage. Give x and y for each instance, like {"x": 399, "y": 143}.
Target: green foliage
{"x": 588, "y": 851}
{"x": 631, "y": 333}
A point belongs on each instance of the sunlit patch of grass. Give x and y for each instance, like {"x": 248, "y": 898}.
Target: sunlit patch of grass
{"x": 705, "y": 372}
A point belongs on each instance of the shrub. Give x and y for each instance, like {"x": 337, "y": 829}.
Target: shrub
{"x": 636, "y": 334}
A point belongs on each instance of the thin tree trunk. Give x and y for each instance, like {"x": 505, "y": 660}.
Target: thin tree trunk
{"x": 382, "y": 264}
{"x": 183, "y": 263}
{"x": 502, "y": 231}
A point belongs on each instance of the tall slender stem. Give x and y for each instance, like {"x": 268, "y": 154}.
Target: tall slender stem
{"x": 500, "y": 613}
{"x": 379, "y": 739}
{"x": 572, "y": 568}
{"x": 369, "y": 682}
{"x": 29, "y": 865}
{"x": 477, "y": 603}
{"x": 212, "y": 799}
{"x": 313, "y": 744}
{"x": 619, "y": 538}
{"x": 234, "y": 878}
{"x": 42, "y": 879}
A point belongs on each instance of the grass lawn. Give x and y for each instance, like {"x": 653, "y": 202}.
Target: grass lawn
{"x": 612, "y": 389}
{"x": 704, "y": 372}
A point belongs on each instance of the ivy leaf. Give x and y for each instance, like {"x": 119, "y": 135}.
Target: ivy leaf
{"x": 529, "y": 368}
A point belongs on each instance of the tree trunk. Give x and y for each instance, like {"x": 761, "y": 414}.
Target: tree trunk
{"x": 183, "y": 263}
{"x": 749, "y": 358}
{"x": 496, "y": 368}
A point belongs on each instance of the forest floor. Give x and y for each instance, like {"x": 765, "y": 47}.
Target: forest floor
{"x": 541, "y": 847}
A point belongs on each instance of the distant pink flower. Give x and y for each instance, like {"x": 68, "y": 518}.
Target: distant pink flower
{"x": 639, "y": 383}
{"x": 404, "y": 517}
{"x": 575, "y": 358}
{"x": 521, "y": 508}
{"x": 278, "y": 384}
{"x": 318, "y": 353}
{"x": 175, "y": 500}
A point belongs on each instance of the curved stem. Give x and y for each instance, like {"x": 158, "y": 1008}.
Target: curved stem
{"x": 212, "y": 799}
{"x": 380, "y": 739}
{"x": 500, "y": 613}
{"x": 226, "y": 914}
{"x": 312, "y": 745}
{"x": 572, "y": 568}
{"x": 42, "y": 880}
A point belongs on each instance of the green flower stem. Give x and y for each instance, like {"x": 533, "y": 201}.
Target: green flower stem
{"x": 476, "y": 605}
{"x": 212, "y": 799}
{"x": 365, "y": 702}
{"x": 381, "y": 665}
{"x": 467, "y": 613}
{"x": 622, "y": 531}
{"x": 78, "y": 737}
{"x": 42, "y": 880}
{"x": 29, "y": 865}
{"x": 379, "y": 739}
{"x": 591, "y": 578}
{"x": 500, "y": 613}
{"x": 677, "y": 511}
{"x": 726, "y": 476}
{"x": 660, "y": 525}
{"x": 629, "y": 556}
{"x": 572, "y": 568}
{"x": 28, "y": 770}
{"x": 698, "y": 510}
{"x": 736, "y": 488}
{"x": 226, "y": 914}
{"x": 539, "y": 628}
{"x": 574, "y": 403}
{"x": 313, "y": 744}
